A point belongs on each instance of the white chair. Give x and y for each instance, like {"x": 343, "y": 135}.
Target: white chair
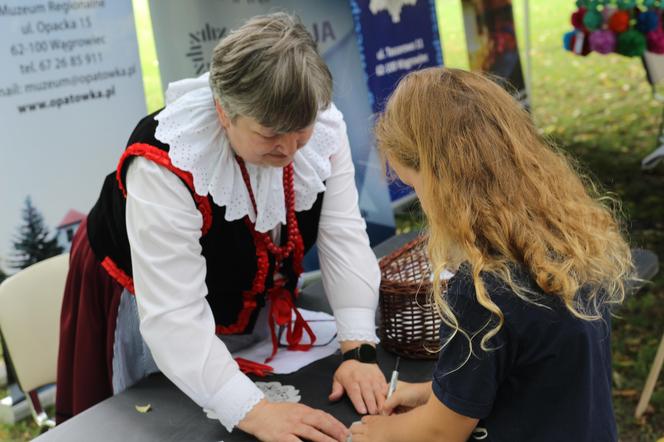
{"x": 30, "y": 303}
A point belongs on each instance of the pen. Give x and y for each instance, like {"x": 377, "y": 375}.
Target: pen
{"x": 394, "y": 379}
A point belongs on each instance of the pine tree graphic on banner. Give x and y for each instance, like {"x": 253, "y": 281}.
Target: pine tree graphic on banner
{"x": 32, "y": 244}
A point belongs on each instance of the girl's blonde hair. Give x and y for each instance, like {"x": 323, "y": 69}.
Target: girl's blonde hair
{"x": 495, "y": 195}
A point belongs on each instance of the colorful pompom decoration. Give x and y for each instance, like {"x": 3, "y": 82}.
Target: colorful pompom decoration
{"x": 582, "y": 47}
{"x": 603, "y": 41}
{"x": 626, "y": 27}
{"x": 655, "y": 41}
{"x": 631, "y": 43}
{"x": 577, "y": 18}
{"x": 568, "y": 38}
{"x": 607, "y": 12}
{"x": 619, "y": 21}
{"x": 646, "y": 21}
{"x": 626, "y": 4}
{"x": 593, "y": 19}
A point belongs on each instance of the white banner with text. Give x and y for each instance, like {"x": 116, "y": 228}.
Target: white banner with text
{"x": 71, "y": 91}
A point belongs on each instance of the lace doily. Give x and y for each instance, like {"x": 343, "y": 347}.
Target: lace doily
{"x": 190, "y": 126}
{"x": 276, "y": 392}
{"x": 235, "y": 412}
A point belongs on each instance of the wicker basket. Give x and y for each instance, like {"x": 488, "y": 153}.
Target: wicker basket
{"x": 409, "y": 324}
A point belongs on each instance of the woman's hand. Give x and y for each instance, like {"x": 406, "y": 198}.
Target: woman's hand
{"x": 364, "y": 384}
{"x": 406, "y": 397}
{"x": 286, "y": 422}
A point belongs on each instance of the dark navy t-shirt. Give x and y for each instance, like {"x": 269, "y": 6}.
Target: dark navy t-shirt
{"x": 547, "y": 379}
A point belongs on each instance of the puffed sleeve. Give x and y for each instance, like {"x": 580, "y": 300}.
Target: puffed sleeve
{"x": 349, "y": 268}
{"x": 164, "y": 229}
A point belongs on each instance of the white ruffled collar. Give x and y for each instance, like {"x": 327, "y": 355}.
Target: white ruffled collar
{"x": 198, "y": 145}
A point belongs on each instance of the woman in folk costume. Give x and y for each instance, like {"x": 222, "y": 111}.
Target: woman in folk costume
{"x": 200, "y": 233}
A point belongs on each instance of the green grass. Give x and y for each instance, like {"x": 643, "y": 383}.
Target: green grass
{"x": 22, "y": 431}
{"x": 598, "y": 108}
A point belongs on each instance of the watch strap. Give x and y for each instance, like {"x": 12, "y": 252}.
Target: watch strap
{"x": 363, "y": 353}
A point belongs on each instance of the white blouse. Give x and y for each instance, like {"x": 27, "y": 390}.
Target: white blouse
{"x": 164, "y": 229}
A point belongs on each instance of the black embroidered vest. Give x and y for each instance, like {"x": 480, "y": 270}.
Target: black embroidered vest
{"x": 228, "y": 247}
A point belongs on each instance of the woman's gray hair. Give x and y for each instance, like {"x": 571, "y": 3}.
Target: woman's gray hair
{"x": 270, "y": 70}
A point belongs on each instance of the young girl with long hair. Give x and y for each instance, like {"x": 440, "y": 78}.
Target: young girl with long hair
{"x": 539, "y": 260}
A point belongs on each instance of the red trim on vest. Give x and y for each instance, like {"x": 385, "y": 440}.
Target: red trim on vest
{"x": 282, "y": 303}
{"x": 118, "y": 274}
{"x": 161, "y": 157}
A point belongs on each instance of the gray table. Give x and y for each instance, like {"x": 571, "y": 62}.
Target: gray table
{"x": 175, "y": 417}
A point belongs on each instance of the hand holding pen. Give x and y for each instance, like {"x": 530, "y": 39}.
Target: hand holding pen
{"x": 407, "y": 396}
{"x": 394, "y": 379}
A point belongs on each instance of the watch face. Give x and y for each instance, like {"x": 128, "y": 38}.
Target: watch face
{"x": 367, "y": 353}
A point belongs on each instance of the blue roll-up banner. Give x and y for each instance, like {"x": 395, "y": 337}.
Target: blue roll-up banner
{"x": 395, "y": 37}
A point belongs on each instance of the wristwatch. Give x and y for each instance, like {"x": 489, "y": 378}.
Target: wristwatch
{"x": 364, "y": 353}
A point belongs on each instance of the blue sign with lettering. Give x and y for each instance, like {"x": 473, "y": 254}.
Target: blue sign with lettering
{"x": 395, "y": 38}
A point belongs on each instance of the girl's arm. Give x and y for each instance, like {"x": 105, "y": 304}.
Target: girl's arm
{"x": 432, "y": 421}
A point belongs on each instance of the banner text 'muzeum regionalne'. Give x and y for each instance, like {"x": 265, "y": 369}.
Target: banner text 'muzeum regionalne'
{"x": 53, "y": 46}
